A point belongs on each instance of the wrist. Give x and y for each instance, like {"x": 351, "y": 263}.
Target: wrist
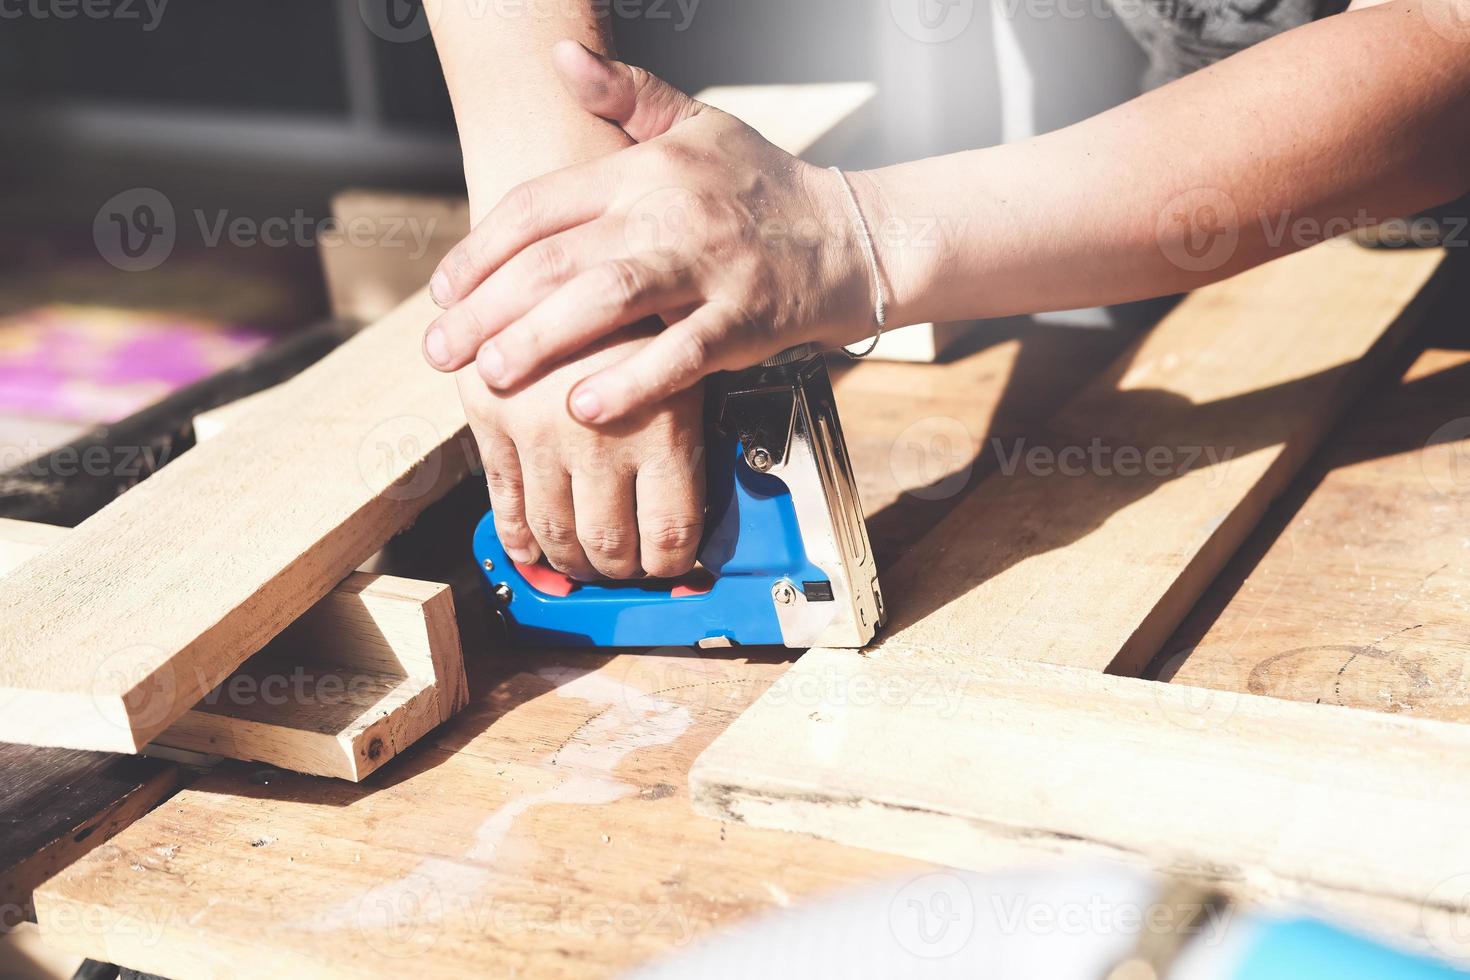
{"x": 499, "y": 158}
{"x": 907, "y": 245}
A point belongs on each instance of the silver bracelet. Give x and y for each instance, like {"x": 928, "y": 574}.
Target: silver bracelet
{"x": 880, "y": 296}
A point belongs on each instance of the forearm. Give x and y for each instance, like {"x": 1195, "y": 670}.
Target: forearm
{"x": 515, "y": 118}
{"x": 1365, "y": 114}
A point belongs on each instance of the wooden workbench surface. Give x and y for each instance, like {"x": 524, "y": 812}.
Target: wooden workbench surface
{"x": 547, "y": 830}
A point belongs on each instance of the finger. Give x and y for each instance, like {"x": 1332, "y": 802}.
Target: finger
{"x": 594, "y": 304}
{"x": 710, "y": 339}
{"x": 551, "y": 517}
{"x": 643, "y": 104}
{"x": 670, "y": 515}
{"x": 507, "y": 498}
{"x": 607, "y": 522}
{"x": 515, "y": 288}
{"x": 529, "y": 212}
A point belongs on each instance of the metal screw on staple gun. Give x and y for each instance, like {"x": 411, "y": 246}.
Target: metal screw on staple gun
{"x": 759, "y": 459}
{"x": 503, "y": 594}
{"x": 783, "y": 593}
{"x": 489, "y": 565}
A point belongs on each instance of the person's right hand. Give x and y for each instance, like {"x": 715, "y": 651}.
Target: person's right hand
{"x": 617, "y": 501}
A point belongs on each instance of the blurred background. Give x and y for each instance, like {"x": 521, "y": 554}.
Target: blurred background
{"x": 131, "y": 116}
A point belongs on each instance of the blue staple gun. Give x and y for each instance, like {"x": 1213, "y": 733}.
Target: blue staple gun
{"x": 785, "y": 557}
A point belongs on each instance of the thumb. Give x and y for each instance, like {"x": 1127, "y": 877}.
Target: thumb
{"x": 644, "y": 105}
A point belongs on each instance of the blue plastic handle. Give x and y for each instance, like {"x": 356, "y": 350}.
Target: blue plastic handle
{"x": 752, "y": 541}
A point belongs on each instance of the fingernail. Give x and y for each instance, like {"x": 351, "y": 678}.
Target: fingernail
{"x": 439, "y": 288}
{"x": 587, "y": 405}
{"x": 436, "y": 347}
{"x": 491, "y": 362}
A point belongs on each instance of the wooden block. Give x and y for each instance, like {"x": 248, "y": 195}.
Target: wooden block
{"x": 368, "y": 275}
{"x": 1093, "y": 571}
{"x": 357, "y": 679}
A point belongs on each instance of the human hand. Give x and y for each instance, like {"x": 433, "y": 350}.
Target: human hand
{"x": 741, "y": 249}
{"x": 617, "y": 501}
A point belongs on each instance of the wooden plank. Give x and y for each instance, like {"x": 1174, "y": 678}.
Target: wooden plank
{"x": 1090, "y": 571}
{"x": 56, "y": 805}
{"x": 357, "y": 679}
{"x": 1354, "y": 592}
{"x": 994, "y": 759}
{"x": 234, "y": 540}
{"x": 1116, "y": 516}
{"x": 545, "y": 833}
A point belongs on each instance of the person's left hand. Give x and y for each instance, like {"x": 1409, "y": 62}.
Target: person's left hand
{"x": 742, "y": 250}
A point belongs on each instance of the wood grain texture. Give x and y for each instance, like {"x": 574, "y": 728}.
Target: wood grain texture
{"x": 970, "y": 765}
{"x": 534, "y": 719}
{"x": 157, "y": 598}
{"x": 1091, "y": 572}
{"x": 528, "y": 760}
{"x": 1357, "y": 591}
{"x": 57, "y": 804}
{"x": 546, "y": 833}
{"x": 357, "y": 679}
{"x": 1104, "y": 527}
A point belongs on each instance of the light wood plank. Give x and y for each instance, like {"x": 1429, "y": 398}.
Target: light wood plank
{"x": 157, "y": 598}
{"x": 546, "y": 833}
{"x": 1359, "y": 592}
{"x": 1092, "y": 572}
{"x": 1082, "y": 556}
{"x": 976, "y": 764}
{"x": 357, "y": 679}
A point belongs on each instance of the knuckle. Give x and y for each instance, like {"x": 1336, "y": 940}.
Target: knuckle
{"x": 463, "y": 322}
{"x": 607, "y": 541}
{"x": 550, "y": 261}
{"x": 505, "y": 487}
{"x": 669, "y": 544}
{"x": 626, "y": 282}
{"x": 522, "y": 205}
{"x": 554, "y": 533}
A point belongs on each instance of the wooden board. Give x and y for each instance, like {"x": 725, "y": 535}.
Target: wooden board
{"x": 978, "y": 764}
{"x": 357, "y": 679}
{"x": 1083, "y": 556}
{"x": 546, "y": 833}
{"x": 56, "y": 805}
{"x": 1359, "y": 592}
{"x": 157, "y": 598}
{"x": 1090, "y": 572}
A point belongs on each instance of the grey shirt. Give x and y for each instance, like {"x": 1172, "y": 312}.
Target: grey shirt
{"x": 1182, "y": 36}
